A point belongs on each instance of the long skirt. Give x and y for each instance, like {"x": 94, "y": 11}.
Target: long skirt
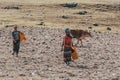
{"x": 67, "y": 54}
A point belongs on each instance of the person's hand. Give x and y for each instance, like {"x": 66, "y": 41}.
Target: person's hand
{"x": 61, "y": 49}
{"x": 14, "y": 41}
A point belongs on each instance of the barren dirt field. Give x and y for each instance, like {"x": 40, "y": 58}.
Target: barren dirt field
{"x": 43, "y": 22}
{"x": 105, "y": 13}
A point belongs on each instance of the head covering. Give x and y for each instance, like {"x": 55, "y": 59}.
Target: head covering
{"x": 15, "y": 27}
{"x": 67, "y": 30}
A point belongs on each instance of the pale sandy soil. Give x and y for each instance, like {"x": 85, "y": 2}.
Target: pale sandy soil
{"x": 40, "y": 58}
{"x": 60, "y": 1}
{"x": 106, "y": 13}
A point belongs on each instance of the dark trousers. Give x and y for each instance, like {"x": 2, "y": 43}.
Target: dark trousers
{"x": 16, "y": 46}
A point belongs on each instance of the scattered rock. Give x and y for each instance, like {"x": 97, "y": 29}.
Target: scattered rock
{"x": 95, "y": 62}
{"x": 41, "y": 23}
{"x": 95, "y": 66}
{"x": 67, "y": 79}
{"x": 11, "y": 7}
{"x": 82, "y": 12}
{"x": 64, "y": 17}
{"x": 47, "y": 47}
{"x": 108, "y": 28}
{"x": 81, "y": 66}
{"x": 104, "y": 7}
{"x": 33, "y": 50}
{"x": 22, "y": 75}
{"x": 71, "y": 74}
{"x": 34, "y": 39}
{"x": 70, "y": 5}
{"x": 61, "y": 77}
{"x": 43, "y": 43}
{"x": 89, "y": 27}
{"x": 95, "y": 24}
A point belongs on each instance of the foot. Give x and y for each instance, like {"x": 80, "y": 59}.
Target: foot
{"x": 16, "y": 55}
{"x": 68, "y": 63}
{"x": 12, "y": 53}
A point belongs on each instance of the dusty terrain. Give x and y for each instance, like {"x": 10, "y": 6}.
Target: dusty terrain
{"x": 40, "y": 57}
{"x": 43, "y": 22}
{"x": 105, "y": 13}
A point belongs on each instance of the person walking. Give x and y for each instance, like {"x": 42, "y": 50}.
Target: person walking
{"x": 67, "y": 46}
{"x": 16, "y": 41}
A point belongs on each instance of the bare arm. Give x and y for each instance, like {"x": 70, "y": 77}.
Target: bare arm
{"x": 62, "y": 45}
{"x": 13, "y": 37}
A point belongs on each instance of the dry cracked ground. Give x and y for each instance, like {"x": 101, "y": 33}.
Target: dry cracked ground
{"x": 40, "y": 57}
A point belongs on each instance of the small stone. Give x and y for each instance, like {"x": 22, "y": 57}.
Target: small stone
{"x": 90, "y": 27}
{"x": 95, "y": 24}
{"x": 41, "y": 23}
{"x": 33, "y": 50}
{"x": 108, "y": 28}
{"x": 22, "y": 75}
{"x": 64, "y": 17}
{"x": 82, "y": 12}
{"x": 70, "y": 5}
{"x": 43, "y": 42}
